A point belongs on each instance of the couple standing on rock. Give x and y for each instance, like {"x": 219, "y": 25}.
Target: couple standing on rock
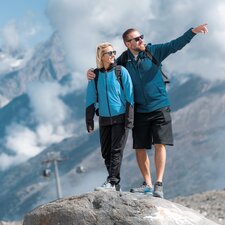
{"x": 129, "y": 92}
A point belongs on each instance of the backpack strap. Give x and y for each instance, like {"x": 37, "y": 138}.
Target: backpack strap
{"x": 124, "y": 58}
{"x": 118, "y": 75}
{"x": 150, "y": 56}
{"x": 96, "y": 71}
{"x": 153, "y": 59}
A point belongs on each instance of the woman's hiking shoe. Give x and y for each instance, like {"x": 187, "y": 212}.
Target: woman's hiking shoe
{"x": 118, "y": 187}
{"x": 106, "y": 186}
{"x": 158, "y": 190}
{"x": 143, "y": 189}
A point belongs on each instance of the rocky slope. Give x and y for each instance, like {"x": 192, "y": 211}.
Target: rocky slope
{"x": 210, "y": 204}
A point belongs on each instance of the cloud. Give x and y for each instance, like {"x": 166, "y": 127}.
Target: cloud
{"x": 53, "y": 124}
{"x": 52, "y": 115}
{"x": 85, "y": 24}
{"x": 15, "y": 141}
{"x": 23, "y": 144}
{"x": 19, "y": 34}
{"x": 10, "y": 36}
{"x": 44, "y": 98}
{"x": 10, "y": 62}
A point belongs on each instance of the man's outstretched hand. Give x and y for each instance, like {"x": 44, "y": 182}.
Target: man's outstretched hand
{"x": 200, "y": 29}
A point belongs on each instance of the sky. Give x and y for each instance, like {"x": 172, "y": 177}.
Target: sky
{"x": 23, "y": 23}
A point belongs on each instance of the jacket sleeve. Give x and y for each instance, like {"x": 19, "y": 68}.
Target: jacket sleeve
{"x": 161, "y": 51}
{"x": 90, "y": 105}
{"x": 129, "y": 96}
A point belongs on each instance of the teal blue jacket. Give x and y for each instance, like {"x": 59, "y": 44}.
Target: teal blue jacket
{"x": 149, "y": 89}
{"x": 114, "y": 100}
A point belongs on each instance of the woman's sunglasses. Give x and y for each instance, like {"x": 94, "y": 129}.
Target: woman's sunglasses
{"x": 110, "y": 53}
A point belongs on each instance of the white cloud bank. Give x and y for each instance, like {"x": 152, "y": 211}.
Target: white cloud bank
{"x": 84, "y": 24}
{"x": 53, "y": 120}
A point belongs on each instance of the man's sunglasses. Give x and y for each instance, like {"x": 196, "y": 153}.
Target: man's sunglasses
{"x": 110, "y": 53}
{"x": 137, "y": 38}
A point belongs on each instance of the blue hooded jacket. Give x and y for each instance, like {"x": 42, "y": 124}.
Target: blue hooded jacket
{"x": 113, "y": 100}
{"x": 149, "y": 89}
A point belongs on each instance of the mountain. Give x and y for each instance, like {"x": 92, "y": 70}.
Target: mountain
{"x": 197, "y": 157}
{"x": 47, "y": 62}
{"x": 194, "y": 164}
{"x": 43, "y": 77}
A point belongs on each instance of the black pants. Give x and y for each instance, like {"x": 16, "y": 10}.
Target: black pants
{"x": 113, "y": 139}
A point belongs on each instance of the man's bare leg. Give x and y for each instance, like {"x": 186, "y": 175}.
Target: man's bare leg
{"x": 144, "y": 165}
{"x": 160, "y": 161}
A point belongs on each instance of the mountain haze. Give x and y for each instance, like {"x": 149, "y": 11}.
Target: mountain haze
{"x": 194, "y": 164}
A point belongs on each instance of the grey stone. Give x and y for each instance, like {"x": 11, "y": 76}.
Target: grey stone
{"x": 10, "y": 223}
{"x": 114, "y": 208}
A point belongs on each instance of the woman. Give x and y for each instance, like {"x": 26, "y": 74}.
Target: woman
{"x": 111, "y": 93}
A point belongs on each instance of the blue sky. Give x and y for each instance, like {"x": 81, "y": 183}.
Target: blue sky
{"x": 24, "y": 14}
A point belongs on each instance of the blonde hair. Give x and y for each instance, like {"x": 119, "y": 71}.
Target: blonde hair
{"x": 99, "y": 53}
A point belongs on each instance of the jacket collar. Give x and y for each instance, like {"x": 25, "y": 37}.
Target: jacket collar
{"x": 112, "y": 65}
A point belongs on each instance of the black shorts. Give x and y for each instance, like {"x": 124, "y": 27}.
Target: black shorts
{"x": 152, "y": 128}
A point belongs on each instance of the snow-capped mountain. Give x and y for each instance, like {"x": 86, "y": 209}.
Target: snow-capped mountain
{"x": 10, "y": 61}
{"x": 46, "y": 62}
{"x": 41, "y": 104}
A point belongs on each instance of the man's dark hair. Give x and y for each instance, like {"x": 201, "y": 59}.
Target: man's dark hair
{"x": 127, "y": 32}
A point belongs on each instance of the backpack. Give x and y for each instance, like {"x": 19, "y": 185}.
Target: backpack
{"x": 124, "y": 59}
{"x": 118, "y": 77}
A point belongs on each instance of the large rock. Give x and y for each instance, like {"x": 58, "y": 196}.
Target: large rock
{"x": 10, "y": 223}
{"x": 114, "y": 208}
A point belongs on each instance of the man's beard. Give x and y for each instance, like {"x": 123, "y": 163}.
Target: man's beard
{"x": 140, "y": 48}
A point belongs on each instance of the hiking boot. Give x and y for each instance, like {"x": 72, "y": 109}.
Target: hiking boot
{"x": 144, "y": 189}
{"x": 158, "y": 190}
{"x": 106, "y": 186}
{"x": 118, "y": 187}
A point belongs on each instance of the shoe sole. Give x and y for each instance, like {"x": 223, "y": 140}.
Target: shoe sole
{"x": 158, "y": 196}
{"x": 142, "y": 193}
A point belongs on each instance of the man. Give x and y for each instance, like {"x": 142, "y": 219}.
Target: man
{"x": 152, "y": 120}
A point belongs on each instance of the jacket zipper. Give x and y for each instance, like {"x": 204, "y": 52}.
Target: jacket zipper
{"x": 121, "y": 99}
{"x": 142, "y": 86}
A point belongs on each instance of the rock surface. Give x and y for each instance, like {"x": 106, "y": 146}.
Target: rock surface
{"x": 210, "y": 204}
{"x": 10, "y": 223}
{"x": 114, "y": 208}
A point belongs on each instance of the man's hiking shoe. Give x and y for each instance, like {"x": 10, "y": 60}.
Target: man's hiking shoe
{"x": 106, "y": 186}
{"x": 158, "y": 190}
{"x": 143, "y": 189}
